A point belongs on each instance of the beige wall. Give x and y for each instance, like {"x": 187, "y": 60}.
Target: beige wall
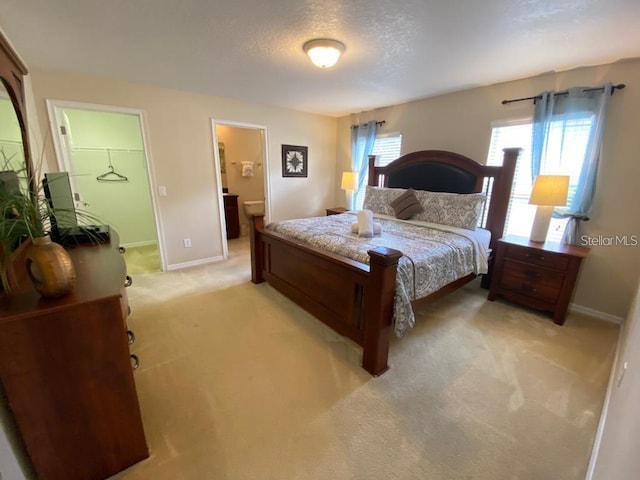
{"x": 461, "y": 122}
{"x": 179, "y": 132}
{"x": 614, "y": 454}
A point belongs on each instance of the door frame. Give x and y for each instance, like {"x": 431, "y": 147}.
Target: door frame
{"x": 218, "y": 177}
{"x": 63, "y": 157}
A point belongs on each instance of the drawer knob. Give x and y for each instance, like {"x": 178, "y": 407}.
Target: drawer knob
{"x": 537, "y": 256}
{"x": 131, "y": 337}
{"x": 528, "y": 288}
{"x": 128, "y": 281}
{"x": 135, "y": 361}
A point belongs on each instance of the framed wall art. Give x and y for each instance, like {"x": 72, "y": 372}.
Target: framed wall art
{"x": 294, "y": 161}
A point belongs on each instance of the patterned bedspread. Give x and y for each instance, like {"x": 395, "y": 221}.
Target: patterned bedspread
{"x": 433, "y": 255}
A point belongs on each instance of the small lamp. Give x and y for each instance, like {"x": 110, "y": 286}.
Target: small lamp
{"x": 324, "y": 52}
{"x": 350, "y": 184}
{"x": 548, "y": 191}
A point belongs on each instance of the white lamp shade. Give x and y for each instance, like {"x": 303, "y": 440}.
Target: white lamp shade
{"x": 323, "y": 52}
{"x": 550, "y": 190}
{"x": 349, "y": 181}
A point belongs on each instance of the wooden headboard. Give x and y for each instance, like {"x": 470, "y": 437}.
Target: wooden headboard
{"x": 442, "y": 171}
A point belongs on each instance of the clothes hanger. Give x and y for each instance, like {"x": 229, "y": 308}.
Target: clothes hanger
{"x": 111, "y": 175}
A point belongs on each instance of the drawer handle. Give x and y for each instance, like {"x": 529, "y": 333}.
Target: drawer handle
{"x": 135, "y": 361}
{"x": 122, "y": 249}
{"x": 534, "y": 255}
{"x": 131, "y": 336}
{"x": 532, "y": 274}
{"x": 128, "y": 281}
{"x": 528, "y": 288}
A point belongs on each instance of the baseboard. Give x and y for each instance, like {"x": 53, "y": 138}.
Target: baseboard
{"x": 607, "y": 317}
{"x": 139, "y": 244}
{"x": 195, "y": 263}
{"x": 603, "y": 414}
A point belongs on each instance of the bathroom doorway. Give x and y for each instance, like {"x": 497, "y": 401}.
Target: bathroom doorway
{"x": 104, "y": 150}
{"x": 241, "y": 160}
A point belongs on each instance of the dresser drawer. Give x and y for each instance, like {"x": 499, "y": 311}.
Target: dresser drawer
{"x": 538, "y": 257}
{"x": 539, "y": 282}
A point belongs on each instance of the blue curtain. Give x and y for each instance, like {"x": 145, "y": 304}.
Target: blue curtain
{"x": 555, "y": 111}
{"x": 363, "y": 136}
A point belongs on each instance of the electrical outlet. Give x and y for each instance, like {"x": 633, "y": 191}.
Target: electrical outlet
{"x": 162, "y": 190}
{"x": 187, "y": 243}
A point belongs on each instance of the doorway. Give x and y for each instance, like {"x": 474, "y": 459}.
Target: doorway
{"x": 104, "y": 150}
{"x": 241, "y": 159}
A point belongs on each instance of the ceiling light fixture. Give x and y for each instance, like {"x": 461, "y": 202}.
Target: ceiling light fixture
{"x": 324, "y": 52}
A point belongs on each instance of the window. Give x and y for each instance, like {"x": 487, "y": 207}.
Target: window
{"x": 567, "y": 139}
{"x": 387, "y": 149}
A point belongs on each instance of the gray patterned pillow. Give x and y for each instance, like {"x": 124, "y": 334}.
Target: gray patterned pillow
{"x": 453, "y": 209}
{"x": 378, "y": 199}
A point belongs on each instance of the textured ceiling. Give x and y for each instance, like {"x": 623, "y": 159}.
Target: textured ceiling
{"x": 252, "y": 49}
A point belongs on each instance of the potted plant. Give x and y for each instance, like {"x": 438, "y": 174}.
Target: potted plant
{"x": 25, "y": 221}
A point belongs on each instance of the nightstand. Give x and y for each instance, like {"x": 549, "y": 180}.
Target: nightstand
{"x": 537, "y": 275}
{"x": 335, "y": 210}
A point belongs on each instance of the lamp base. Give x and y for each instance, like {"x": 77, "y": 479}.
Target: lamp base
{"x": 350, "y": 199}
{"x": 541, "y": 223}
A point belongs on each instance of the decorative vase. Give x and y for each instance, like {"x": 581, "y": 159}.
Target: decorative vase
{"x": 49, "y": 267}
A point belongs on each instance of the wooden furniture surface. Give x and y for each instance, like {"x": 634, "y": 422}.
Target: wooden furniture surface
{"x": 537, "y": 275}
{"x": 66, "y": 371}
{"x": 231, "y": 215}
{"x": 336, "y": 210}
{"x": 354, "y": 298}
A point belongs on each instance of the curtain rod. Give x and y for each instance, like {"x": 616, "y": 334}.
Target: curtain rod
{"x": 620, "y": 86}
{"x": 380, "y": 123}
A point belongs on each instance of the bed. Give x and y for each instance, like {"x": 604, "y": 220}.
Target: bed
{"x": 356, "y": 297}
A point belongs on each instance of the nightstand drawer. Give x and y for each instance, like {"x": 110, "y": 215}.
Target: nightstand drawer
{"x": 542, "y": 283}
{"x": 538, "y": 257}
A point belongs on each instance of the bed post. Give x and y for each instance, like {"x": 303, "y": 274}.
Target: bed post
{"x": 378, "y": 308}
{"x": 500, "y": 196}
{"x": 256, "y": 225}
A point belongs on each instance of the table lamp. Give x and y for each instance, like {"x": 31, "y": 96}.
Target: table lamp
{"x": 548, "y": 191}
{"x": 350, "y": 184}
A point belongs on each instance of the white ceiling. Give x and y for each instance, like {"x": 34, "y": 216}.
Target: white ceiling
{"x": 252, "y": 49}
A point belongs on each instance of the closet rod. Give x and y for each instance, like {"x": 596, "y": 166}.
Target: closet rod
{"x": 620, "y": 86}
{"x": 87, "y": 149}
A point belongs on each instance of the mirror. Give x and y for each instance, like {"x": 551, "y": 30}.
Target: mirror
{"x": 12, "y": 157}
{"x": 14, "y": 141}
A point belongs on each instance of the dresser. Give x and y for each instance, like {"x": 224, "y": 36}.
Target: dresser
{"x": 538, "y": 275}
{"x": 231, "y": 215}
{"x": 67, "y": 371}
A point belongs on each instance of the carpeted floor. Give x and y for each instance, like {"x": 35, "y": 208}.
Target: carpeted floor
{"x": 237, "y": 383}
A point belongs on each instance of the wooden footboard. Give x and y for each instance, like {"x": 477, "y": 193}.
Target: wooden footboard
{"x": 354, "y": 299}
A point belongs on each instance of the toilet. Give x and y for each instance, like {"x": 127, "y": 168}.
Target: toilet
{"x": 252, "y": 206}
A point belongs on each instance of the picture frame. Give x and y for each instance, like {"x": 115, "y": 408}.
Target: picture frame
{"x": 294, "y": 161}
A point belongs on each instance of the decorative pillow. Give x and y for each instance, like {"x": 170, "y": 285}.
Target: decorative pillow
{"x": 378, "y": 199}
{"x": 406, "y": 205}
{"x": 453, "y": 209}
